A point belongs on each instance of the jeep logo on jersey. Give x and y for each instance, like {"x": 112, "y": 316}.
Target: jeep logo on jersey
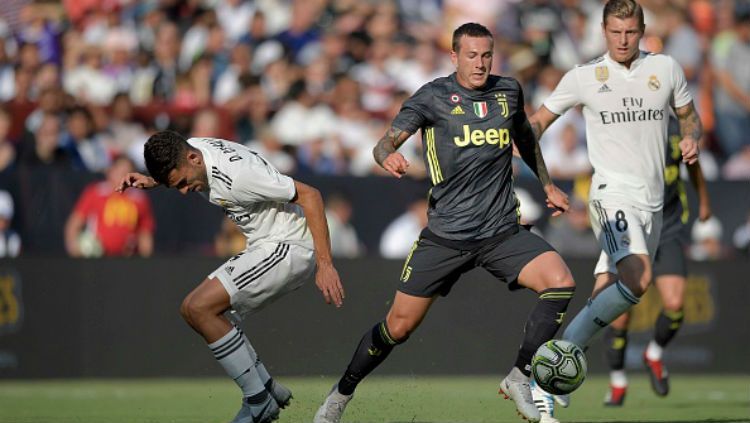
{"x": 478, "y": 137}
{"x": 502, "y": 101}
{"x": 480, "y": 109}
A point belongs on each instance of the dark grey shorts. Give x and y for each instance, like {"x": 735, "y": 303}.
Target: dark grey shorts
{"x": 670, "y": 258}
{"x": 432, "y": 268}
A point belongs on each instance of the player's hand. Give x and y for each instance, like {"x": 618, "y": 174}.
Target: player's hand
{"x": 396, "y": 164}
{"x": 556, "y": 199}
{"x": 689, "y": 149}
{"x": 136, "y": 180}
{"x": 328, "y": 282}
{"x": 704, "y": 211}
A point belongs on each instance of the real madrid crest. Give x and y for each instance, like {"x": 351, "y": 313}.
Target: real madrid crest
{"x": 653, "y": 83}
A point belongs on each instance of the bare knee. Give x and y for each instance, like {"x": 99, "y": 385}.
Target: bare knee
{"x": 672, "y": 304}
{"x": 400, "y": 326}
{"x": 194, "y": 311}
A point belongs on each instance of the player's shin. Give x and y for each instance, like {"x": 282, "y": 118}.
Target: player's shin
{"x": 373, "y": 349}
{"x": 280, "y": 393}
{"x": 543, "y": 322}
{"x": 599, "y": 312}
{"x": 233, "y": 355}
{"x": 667, "y": 325}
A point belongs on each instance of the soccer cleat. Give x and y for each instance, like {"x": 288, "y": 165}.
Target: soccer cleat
{"x": 515, "y": 386}
{"x": 281, "y": 394}
{"x": 615, "y": 396}
{"x": 544, "y": 402}
{"x": 658, "y": 374}
{"x": 266, "y": 412}
{"x": 333, "y": 407}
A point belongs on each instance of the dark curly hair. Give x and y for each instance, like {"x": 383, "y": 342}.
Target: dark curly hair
{"x": 470, "y": 29}
{"x": 164, "y": 151}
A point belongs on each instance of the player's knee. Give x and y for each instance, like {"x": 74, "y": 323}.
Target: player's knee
{"x": 672, "y": 305}
{"x": 400, "y": 328}
{"x": 192, "y": 310}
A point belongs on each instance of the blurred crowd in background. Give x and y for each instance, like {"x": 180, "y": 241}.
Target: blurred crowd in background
{"x": 312, "y": 85}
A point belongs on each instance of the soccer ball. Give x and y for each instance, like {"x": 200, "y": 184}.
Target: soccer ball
{"x": 559, "y": 367}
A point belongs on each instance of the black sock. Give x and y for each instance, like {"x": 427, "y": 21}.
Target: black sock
{"x": 667, "y": 325}
{"x": 615, "y": 343}
{"x": 374, "y": 347}
{"x": 543, "y": 322}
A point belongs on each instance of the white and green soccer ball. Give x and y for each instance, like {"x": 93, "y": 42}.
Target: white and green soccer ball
{"x": 559, "y": 367}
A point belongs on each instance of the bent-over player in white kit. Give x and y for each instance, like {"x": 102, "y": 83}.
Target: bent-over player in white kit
{"x": 626, "y": 95}
{"x": 283, "y": 248}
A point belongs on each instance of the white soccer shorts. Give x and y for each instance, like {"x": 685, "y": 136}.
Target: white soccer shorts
{"x": 263, "y": 273}
{"x": 622, "y": 231}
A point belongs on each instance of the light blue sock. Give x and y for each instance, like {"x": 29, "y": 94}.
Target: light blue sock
{"x": 598, "y": 313}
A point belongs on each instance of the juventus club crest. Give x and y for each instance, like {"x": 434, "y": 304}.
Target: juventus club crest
{"x": 480, "y": 109}
{"x": 502, "y": 101}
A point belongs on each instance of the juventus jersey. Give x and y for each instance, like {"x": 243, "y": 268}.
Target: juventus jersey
{"x": 626, "y": 112}
{"x": 252, "y": 193}
{"x": 467, "y": 135}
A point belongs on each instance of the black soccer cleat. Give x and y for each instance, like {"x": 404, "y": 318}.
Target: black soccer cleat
{"x": 657, "y": 372}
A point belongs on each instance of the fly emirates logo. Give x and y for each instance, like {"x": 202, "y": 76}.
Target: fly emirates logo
{"x": 500, "y": 136}
{"x": 634, "y": 112}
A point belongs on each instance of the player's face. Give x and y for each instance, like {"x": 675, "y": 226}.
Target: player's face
{"x": 190, "y": 175}
{"x": 473, "y": 61}
{"x": 623, "y": 37}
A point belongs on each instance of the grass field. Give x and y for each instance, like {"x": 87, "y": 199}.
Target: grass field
{"x": 379, "y": 399}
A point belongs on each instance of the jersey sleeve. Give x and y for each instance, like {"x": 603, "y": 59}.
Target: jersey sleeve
{"x": 519, "y": 118}
{"x": 680, "y": 93}
{"x": 566, "y": 95}
{"x": 416, "y": 112}
{"x": 256, "y": 181}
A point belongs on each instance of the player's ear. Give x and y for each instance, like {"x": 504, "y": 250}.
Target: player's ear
{"x": 454, "y": 58}
{"x": 194, "y": 158}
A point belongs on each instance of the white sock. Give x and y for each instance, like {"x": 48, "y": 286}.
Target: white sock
{"x": 235, "y": 358}
{"x": 598, "y": 313}
{"x": 618, "y": 378}
{"x": 654, "y": 351}
{"x": 259, "y": 367}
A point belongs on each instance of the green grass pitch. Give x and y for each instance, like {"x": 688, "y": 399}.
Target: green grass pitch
{"x": 380, "y": 399}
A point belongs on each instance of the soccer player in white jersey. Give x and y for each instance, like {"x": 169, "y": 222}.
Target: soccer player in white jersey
{"x": 287, "y": 240}
{"x": 626, "y": 96}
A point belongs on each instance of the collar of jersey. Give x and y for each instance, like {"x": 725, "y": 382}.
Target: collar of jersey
{"x": 633, "y": 66}
{"x": 207, "y": 159}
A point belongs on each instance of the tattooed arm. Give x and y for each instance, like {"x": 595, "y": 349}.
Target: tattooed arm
{"x": 525, "y": 138}
{"x": 385, "y": 152}
{"x": 691, "y": 130}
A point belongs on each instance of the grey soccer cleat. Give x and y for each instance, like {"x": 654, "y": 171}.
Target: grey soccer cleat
{"x": 333, "y": 407}
{"x": 515, "y": 386}
{"x": 280, "y": 393}
{"x": 266, "y": 412}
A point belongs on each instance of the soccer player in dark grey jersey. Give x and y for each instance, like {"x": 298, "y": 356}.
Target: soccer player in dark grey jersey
{"x": 468, "y": 121}
{"x": 670, "y": 273}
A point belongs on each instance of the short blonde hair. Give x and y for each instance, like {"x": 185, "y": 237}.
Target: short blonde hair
{"x": 623, "y": 9}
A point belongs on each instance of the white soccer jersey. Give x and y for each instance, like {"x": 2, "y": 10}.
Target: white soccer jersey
{"x": 626, "y": 112}
{"x": 252, "y": 193}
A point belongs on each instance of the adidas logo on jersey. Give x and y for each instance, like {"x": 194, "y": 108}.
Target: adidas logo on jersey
{"x": 457, "y": 110}
{"x": 604, "y": 89}
{"x": 229, "y": 269}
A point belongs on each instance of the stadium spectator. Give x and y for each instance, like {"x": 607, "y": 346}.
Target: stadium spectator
{"x": 124, "y": 135}
{"x": 84, "y": 145}
{"x": 7, "y": 148}
{"x": 42, "y": 148}
{"x": 567, "y": 158}
{"x": 344, "y": 239}
{"x": 737, "y": 168}
{"x": 707, "y": 244}
{"x": 109, "y": 223}
{"x": 268, "y": 146}
{"x": 399, "y": 236}
{"x": 10, "y": 241}
{"x": 741, "y": 237}
{"x": 731, "y": 60}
